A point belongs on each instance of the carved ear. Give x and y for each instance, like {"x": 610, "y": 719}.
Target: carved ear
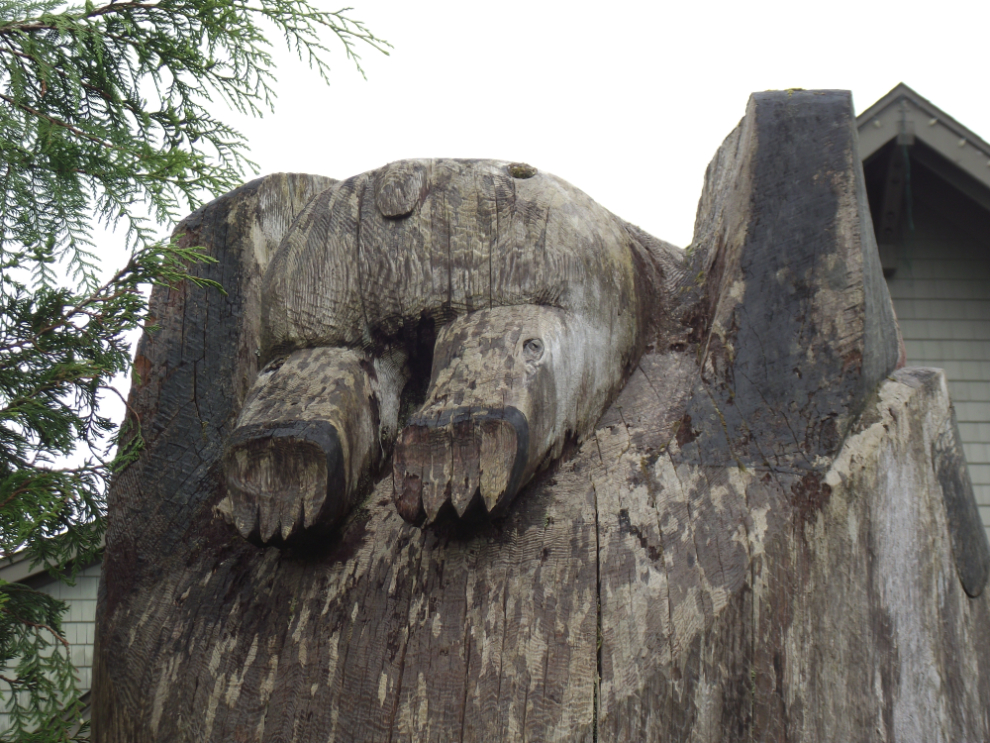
{"x": 797, "y": 327}
{"x": 195, "y": 371}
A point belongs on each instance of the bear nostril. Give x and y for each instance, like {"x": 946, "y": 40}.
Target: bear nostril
{"x": 533, "y": 349}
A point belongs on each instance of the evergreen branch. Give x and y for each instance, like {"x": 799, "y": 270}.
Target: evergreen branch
{"x": 58, "y": 122}
{"x": 36, "y": 625}
{"x": 79, "y": 136}
{"x": 40, "y": 25}
{"x": 134, "y": 414}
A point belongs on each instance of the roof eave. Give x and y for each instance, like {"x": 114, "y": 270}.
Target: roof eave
{"x": 902, "y": 110}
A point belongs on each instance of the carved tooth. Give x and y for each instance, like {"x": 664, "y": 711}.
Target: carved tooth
{"x": 498, "y": 455}
{"x": 411, "y": 450}
{"x": 249, "y": 476}
{"x": 408, "y": 498}
{"x": 268, "y": 515}
{"x": 436, "y": 487}
{"x": 291, "y": 522}
{"x": 466, "y": 475}
{"x": 431, "y": 502}
{"x": 246, "y": 517}
{"x": 225, "y": 509}
{"x": 313, "y": 503}
{"x": 435, "y": 496}
{"x": 307, "y": 486}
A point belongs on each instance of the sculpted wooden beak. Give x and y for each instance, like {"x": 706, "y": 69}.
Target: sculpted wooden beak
{"x": 467, "y": 458}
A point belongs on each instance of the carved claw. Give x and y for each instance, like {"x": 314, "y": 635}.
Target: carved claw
{"x": 285, "y": 477}
{"x": 463, "y": 458}
{"x": 308, "y": 436}
{"x": 467, "y": 451}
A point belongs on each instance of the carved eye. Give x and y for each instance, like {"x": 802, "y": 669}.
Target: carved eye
{"x": 533, "y": 349}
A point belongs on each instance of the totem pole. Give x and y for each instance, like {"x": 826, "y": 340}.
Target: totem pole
{"x": 461, "y": 455}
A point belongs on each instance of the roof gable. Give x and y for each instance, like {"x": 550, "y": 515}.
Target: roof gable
{"x": 904, "y": 114}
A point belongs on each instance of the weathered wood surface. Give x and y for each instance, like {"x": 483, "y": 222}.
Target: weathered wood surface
{"x": 758, "y": 540}
{"x": 540, "y": 302}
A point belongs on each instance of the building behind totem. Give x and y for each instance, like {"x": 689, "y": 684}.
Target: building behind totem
{"x": 928, "y": 180}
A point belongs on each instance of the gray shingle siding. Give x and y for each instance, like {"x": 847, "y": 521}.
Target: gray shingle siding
{"x": 78, "y": 625}
{"x": 941, "y": 292}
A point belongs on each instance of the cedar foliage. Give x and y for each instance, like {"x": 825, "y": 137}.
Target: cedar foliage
{"x": 104, "y": 111}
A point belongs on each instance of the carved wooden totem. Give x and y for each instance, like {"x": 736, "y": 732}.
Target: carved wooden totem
{"x": 461, "y": 455}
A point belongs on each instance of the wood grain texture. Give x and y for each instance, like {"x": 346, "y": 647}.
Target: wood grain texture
{"x": 753, "y": 541}
{"x": 473, "y": 238}
{"x": 321, "y": 404}
{"x": 398, "y": 249}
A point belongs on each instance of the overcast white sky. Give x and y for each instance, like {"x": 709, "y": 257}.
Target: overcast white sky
{"x": 627, "y": 101}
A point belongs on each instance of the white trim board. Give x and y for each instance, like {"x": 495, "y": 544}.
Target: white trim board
{"x": 903, "y": 112}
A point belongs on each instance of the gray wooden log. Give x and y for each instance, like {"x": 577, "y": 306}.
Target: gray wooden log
{"x": 765, "y": 535}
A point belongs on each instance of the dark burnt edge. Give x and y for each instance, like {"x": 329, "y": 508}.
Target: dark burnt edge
{"x": 171, "y": 496}
{"x": 776, "y": 418}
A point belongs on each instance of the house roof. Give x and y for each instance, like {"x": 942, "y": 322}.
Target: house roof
{"x": 18, "y": 568}
{"x": 905, "y": 115}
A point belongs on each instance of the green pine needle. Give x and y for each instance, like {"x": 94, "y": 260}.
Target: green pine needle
{"x": 105, "y": 113}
